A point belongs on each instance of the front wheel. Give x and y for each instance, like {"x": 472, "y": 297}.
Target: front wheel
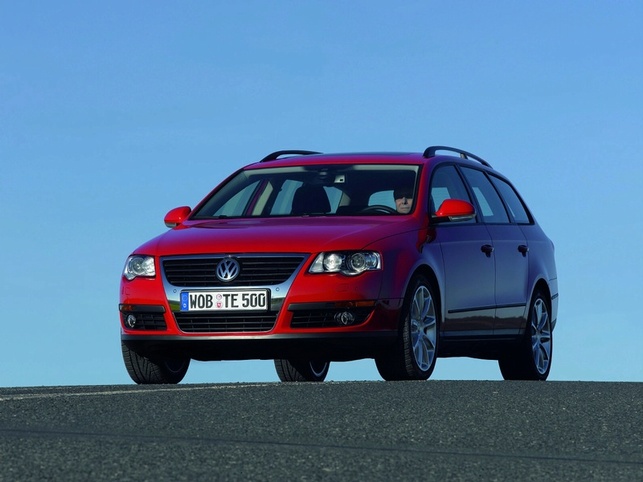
{"x": 301, "y": 370}
{"x": 531, "y": 360}
{"x": 416, "y": 351}
{"x": 154, "y": 370}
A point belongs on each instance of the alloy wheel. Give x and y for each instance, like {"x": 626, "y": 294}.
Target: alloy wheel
{"x": 423, "y": 328}
{"x": 541, "y": 341}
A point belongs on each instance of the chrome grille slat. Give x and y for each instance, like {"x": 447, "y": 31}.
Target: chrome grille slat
{"x": 255, "y": 270}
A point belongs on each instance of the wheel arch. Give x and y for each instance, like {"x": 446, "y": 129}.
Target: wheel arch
{"x": 540, "y": 285}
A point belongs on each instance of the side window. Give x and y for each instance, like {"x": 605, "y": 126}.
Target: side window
{"x": 446, "y": 184}
{"x": 512, "y": 200}
{"x": 491, "y": 207}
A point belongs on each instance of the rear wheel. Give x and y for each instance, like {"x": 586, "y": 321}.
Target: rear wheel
{"x": 531, "y": 360}
{"x": 154, "y": 370}
{"x": 416, "y": 351}
{"x": 301, "y": 370}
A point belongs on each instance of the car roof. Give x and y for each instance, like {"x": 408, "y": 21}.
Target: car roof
{"x": 298, "y": 157}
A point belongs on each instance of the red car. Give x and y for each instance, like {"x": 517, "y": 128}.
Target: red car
{"x": 307, "y": 258}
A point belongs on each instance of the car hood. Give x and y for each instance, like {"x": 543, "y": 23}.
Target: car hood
{"x": 276, "y": 235}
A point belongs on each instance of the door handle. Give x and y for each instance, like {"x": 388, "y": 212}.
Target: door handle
{"x": 524, "y": 249}
{"x": 487, "y": 249}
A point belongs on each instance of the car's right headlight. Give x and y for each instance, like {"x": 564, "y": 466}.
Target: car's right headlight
{"x": 138, "y": 265}
{"x": 350, "y": 263}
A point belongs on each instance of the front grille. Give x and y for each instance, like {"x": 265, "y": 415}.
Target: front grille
{"x": 255, "y": 270}
{"x": 145, "y": 321}
{"x": 326, "y": 318}
{"x": 225, "y": 322}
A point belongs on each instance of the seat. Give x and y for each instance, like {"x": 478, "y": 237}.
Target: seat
{"x": 310, "y": 199}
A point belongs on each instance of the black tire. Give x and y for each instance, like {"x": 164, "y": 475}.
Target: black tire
{"x": 157, "y": 370}
{"x": 301, "y": 370}
{"x": 531, "y": 359}
{"x": 416, "y": 351}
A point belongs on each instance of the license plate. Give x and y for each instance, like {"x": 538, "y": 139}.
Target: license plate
{"x": 256, "y": 300}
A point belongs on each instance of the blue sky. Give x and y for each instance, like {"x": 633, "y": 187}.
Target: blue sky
{"x": 112, "y": 113}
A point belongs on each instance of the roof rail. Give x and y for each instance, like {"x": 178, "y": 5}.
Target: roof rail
{"x": 430, "y": 152}
{"x": 277, "y": 154}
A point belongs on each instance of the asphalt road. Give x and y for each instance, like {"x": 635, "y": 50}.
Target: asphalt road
{"x": 435, "y": 430}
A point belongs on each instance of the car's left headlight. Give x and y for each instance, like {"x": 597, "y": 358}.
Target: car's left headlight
{"x": 138, "y": 265}
{"x": 348, "y": 263}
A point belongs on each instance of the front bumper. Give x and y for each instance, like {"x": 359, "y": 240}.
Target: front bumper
{"x": 326, "y": 316}
{"x": 324, "y": 346}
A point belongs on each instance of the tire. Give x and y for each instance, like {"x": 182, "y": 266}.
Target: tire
{"x": 157, "y": 370}
{"x": 531, "y": 360}
{"x": 301, "y": 370}
{"x": 416, "y": 351}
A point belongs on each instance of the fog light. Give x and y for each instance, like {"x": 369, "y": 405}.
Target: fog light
{"x": 130, "y": 321}
{"x": 345, "y": 318}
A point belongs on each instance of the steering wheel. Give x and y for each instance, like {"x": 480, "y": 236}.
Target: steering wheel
{"x": 378, "y": 208}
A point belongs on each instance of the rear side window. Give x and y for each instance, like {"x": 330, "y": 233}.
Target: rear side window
{"x": 512, "y": 200}
{"x": 491, "y": 206}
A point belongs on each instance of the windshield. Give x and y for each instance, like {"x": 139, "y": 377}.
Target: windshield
{"x": 315, "y": 190}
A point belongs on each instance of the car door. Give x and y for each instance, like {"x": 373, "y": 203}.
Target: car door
{"x": 469, "y": 273}
{"x": 510, "y": 250}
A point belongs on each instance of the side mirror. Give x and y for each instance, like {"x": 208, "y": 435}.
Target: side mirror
{"x": 455, "y": 210}
{"x": 176, "y": 216}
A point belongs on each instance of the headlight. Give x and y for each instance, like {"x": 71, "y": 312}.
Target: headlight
{"x": 348, "y": 263}
{"x": 139, "y": 266}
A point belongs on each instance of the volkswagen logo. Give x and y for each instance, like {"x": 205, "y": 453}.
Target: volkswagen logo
{"x": 228, "y": 269}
